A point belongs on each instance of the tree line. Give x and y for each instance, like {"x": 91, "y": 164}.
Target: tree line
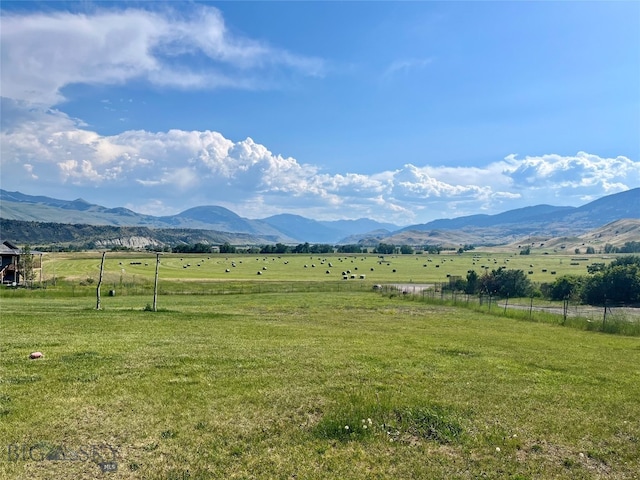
{"x": 307, "y": 248}
{"x": 617, "y": 283}
{"x": 628, "y": 247}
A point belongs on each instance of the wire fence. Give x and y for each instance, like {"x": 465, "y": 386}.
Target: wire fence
{"x": 608, "y": 318}
{"x": 83, "y": 288}
{"x": 611, "y": 318}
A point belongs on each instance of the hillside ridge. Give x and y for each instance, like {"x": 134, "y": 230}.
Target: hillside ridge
{"x": 500, "y": 229}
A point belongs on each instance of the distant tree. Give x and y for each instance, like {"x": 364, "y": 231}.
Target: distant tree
{"x": 191, "y": 248}
{"x": 226, "y": 247}
{"x": 201, "y": 248}
{"x": 321, "y": 248}
{"x": 618, "y": 282}
{"x": 352, "y": 248}
{"x": 181, "y": 248}
{"x": 577, "y": 251}
{"x": 590, "y": 251}
{"x": 458, "y": 284}
{"x": 608, "y": 248}
{"x": 282, "y": 248}
{"x": 432, "y": 249}
{"x": 267, "y": 249}
{"x": 472, "y": 282}
{"x": 277, "y": 248}
{"x": 26, "y": 266}
{"x": 301, "y": 248}
{"x": 385, "y": 249}
{"x": 488, "y": 283}
{"x": 506, "y": 283}
{"x": 632, "y": 260}
{"x": 525, "y": 251}
{"x": 566, "y": 287}
{"x": 406, "y": 250}
{"x": 630, "y": 247}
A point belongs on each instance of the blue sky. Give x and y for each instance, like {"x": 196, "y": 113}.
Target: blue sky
{"x": 398, "y": 111}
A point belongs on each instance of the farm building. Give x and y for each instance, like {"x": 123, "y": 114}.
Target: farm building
{"x": 11, "y": 254}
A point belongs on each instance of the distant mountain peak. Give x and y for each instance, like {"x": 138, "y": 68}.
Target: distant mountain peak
{"x": 290, "y": 228}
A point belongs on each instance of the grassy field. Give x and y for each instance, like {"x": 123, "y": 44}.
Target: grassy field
{"x": 264, "y": 385}
{"x": 122, "y": 267}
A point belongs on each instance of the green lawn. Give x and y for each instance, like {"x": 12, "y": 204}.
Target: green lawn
{"x": 263, "y": 386}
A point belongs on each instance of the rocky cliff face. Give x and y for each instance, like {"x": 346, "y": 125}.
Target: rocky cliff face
{"x": 128, "y": 242}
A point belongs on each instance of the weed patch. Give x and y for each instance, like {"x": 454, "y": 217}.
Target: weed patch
{"x": 458, "y": 352}
{"x": 430, "y": 423}
{"x": 360, "y": 418}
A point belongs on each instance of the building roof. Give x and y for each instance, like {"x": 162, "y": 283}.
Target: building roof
{"x": 8, "y": 248}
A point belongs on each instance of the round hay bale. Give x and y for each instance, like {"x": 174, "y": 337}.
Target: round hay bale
{"x": 36, "y": 355}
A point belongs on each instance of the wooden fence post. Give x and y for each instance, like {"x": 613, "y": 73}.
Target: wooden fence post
{"x": 155, "y": 284}
{"x": 98, "y": 303}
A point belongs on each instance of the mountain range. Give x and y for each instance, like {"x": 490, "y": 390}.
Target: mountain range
{"x": 540, "y": 221}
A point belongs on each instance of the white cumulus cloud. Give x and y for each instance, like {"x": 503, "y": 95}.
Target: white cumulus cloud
{"x": 44, "y": 52}
{"x": 582, "y": 175}
{"x": 45, "y": 151}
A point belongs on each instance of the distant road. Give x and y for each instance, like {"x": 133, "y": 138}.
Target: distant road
{"x": 410, "y": 287}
